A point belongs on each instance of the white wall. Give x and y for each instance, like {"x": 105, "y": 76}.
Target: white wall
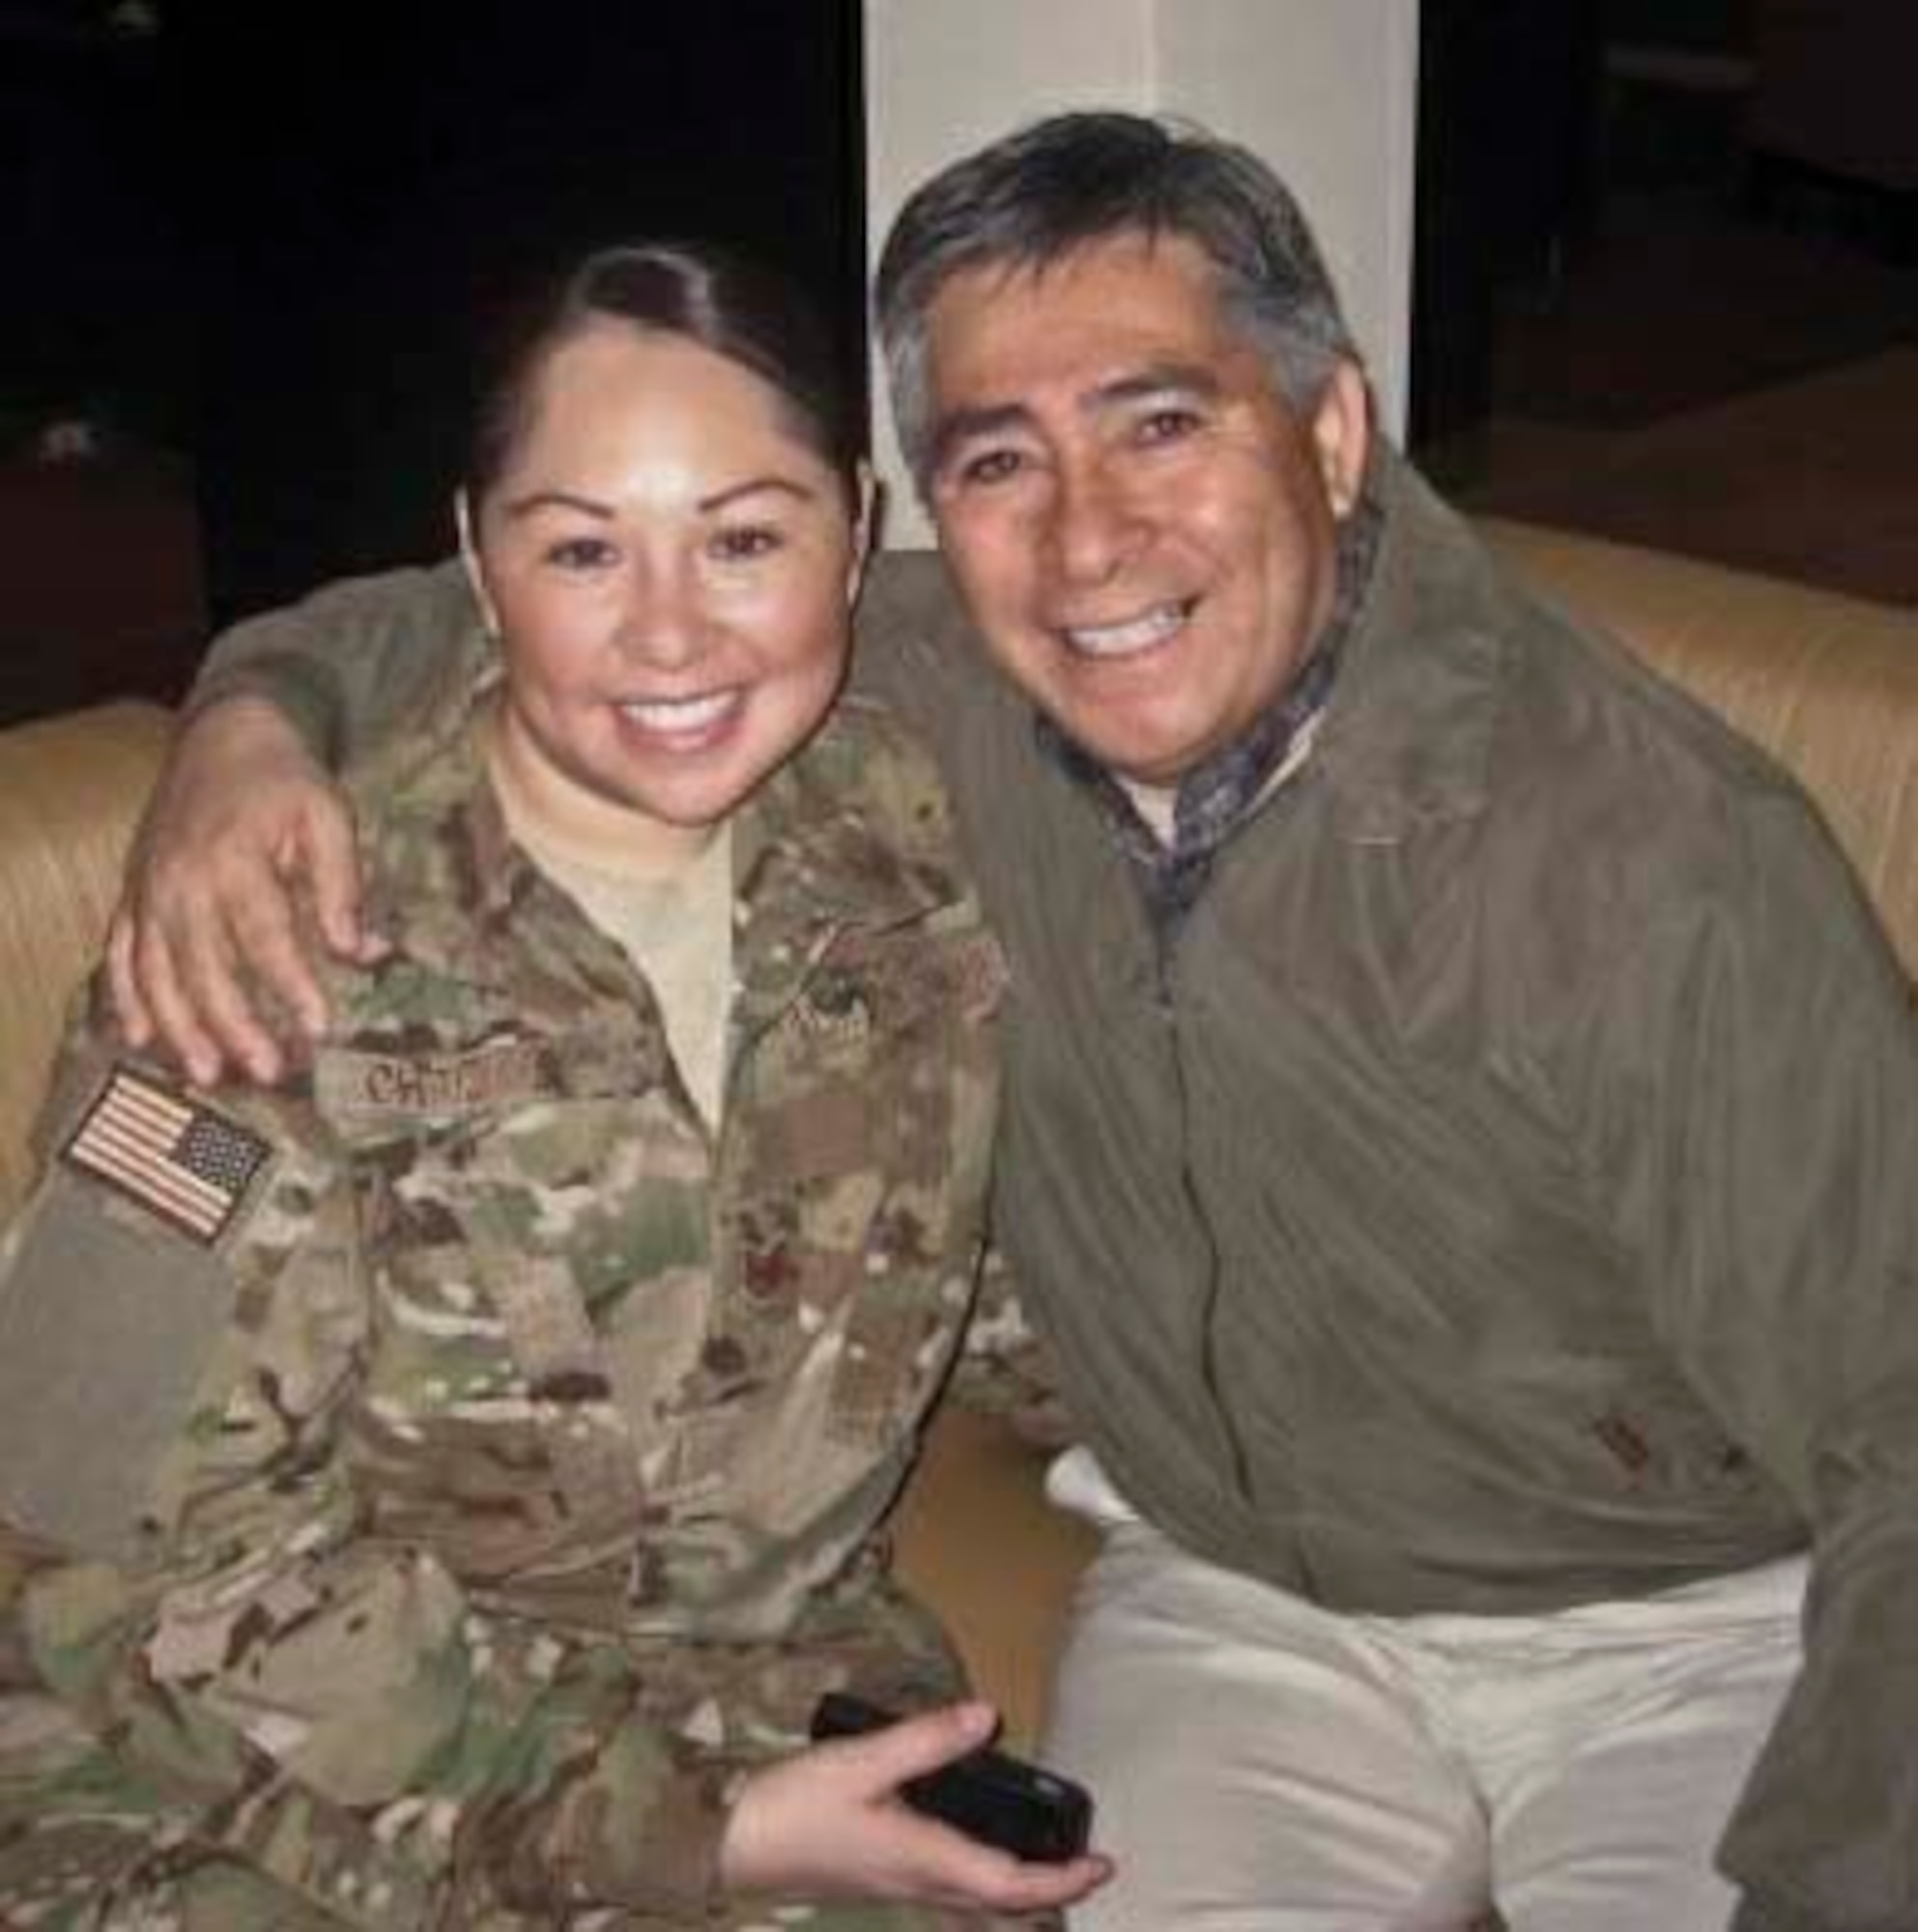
{"x": 1322, "y": 89}
{"x": 945, "y": 76}
{"x": 1325, "y": 90}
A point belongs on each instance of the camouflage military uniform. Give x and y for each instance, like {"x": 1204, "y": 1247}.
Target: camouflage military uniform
{"x": 430, "y": 1488}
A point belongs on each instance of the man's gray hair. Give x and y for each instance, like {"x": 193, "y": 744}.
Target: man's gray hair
{"x": 1030, "y": 200}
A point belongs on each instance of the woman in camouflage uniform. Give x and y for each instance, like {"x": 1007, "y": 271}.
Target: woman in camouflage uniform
{"x": 436, "y": 1492}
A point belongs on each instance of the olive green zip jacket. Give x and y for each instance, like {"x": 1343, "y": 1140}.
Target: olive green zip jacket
{"x": 1499, "y": 1192}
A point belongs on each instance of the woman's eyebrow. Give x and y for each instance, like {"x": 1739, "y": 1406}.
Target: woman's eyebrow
{"x": 558, "y": 499}
{"x": 535, "y": 501}
{"x": 788, "y": 486}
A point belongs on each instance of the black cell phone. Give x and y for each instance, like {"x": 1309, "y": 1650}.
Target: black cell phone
{"x": 989, "y": 1795}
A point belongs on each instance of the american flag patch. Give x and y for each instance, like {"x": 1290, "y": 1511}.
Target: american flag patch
{"x": 185, "y": 1163}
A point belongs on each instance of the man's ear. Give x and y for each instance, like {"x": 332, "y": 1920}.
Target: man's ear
{"x": 476, "y": 576}
{"x": 1342, "y": 436}
{"x": 864, "y": 528}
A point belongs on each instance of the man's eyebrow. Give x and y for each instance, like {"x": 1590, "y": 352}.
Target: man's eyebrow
{"x": 1158, "y": 379}
{"x": 969, "y": 425}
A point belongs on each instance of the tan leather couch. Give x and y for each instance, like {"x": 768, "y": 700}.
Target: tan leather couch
{"x": 1831, "y": 684}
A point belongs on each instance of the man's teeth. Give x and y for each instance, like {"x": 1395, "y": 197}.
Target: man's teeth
{"x": 1137, "y": 634}
{"x": 680, "y": 714}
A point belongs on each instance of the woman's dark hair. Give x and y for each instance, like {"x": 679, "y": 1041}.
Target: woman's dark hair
{"x": 697, "y": 291}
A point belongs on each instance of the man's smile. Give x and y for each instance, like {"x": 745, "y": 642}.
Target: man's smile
{"x": 1130, "y": 635}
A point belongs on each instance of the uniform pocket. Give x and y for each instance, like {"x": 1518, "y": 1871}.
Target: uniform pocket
{"x": 854, "y": 1174}
{"x": 107, "y": 1328}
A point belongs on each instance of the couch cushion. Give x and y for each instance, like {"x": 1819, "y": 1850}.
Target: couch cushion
{"x": 1827, "y": 684}
{"x": 70, "y": 789}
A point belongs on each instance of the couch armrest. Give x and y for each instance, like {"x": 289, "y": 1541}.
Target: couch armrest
{"x": 70, "y": 791}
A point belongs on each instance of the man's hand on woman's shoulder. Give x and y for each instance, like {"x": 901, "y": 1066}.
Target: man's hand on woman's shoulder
{"x": 208, "y": 955}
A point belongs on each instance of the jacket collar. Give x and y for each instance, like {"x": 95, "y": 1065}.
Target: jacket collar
{"x": 1407, "y": 733}
{"x": 1227, "y": 790}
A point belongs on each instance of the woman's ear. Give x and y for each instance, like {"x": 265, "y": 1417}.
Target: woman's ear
{"x": 476, "y": 576}
{"x": 865, "y": 526}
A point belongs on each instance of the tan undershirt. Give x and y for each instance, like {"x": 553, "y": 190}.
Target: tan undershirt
{"x": 675, "y": 925}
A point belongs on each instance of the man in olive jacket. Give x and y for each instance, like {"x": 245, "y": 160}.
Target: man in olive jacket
{"x": 1461, "y": 1117}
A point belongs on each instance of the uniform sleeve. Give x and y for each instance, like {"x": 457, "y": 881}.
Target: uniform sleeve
{"x": 188, "y": 1576}
{"x": 352, "y": 665}
{"x": 914, "y": 648}
{"x": 1004, "y": 1368}
{"x": 1756, "y": 1083}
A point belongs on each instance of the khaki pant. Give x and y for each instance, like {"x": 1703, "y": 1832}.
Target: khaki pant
{"x": 1261, "y": 1765}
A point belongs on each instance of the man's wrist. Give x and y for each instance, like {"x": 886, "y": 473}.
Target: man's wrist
{"x": 297, "y": 701}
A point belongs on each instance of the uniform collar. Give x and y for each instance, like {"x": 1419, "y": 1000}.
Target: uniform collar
{"x": 813, "y": 863}
{"x": 810, "y": 863}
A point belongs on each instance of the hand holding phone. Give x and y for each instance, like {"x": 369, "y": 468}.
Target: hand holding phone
{"x": 989, "y": 1795}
